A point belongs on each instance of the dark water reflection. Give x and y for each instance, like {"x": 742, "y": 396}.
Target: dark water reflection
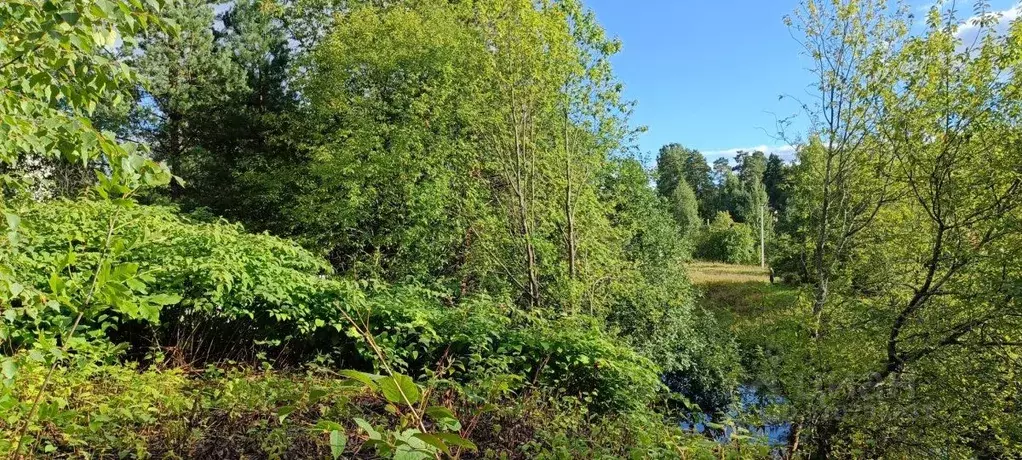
{"x": 753, "y": 406}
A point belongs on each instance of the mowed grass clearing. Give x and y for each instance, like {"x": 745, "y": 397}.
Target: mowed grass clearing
{"x": 714, "y": 272}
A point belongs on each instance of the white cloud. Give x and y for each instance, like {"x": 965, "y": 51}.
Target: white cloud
{"x": 786, "y": 152}
{"x": 969, "y": 30}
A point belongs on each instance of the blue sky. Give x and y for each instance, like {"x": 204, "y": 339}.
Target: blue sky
{"x": 707, "y": 74}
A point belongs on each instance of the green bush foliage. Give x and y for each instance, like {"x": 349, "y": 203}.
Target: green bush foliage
{"x": 725, "y": 240}
{"x": 472, "y": 254}
{"x": 283, "y": 299}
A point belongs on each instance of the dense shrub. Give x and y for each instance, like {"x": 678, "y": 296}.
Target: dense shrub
{"x": 214, "y": 275}
{"x": 99, "y": 410}
{"x": 237, "y": 295}
{"x": 725, "y": 240}
{"x": 653, "y": 307}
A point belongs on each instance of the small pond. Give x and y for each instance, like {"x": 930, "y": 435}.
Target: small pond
{"x": 753, "y": 406}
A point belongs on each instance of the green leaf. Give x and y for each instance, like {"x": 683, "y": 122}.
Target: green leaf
{"x": 327, "y": 426}
{"x": 9, "y": 368}
{"x": 165, "y": 299}
{"x": 338, "y": 440}
{"x": 57, "y": 284}
{"x": 440, "y": 413}
{"x": 70, "y": 17}
{"x": 457, "y": 440}
{"x": 315, "y": 395}
{"x": 283, "y": 412}
{"x": 393, "y": 387}
{"x": 433, "y": 441}
{"x": 13, "y": 221}
{"x": 364, "y": 378}
{"x": 365, "y": 426}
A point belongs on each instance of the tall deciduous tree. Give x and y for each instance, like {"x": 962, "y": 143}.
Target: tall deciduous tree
{"x": 685, "y": 209}
{"x": 907, "y": 229}
{"x": 853, "y": 45}
{"x": 395, "y": 101}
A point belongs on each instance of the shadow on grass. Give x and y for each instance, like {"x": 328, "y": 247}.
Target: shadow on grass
{"x": 747, "y": 298}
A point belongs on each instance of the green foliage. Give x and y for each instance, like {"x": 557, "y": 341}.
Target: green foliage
{"x": 685, "y": 209}
{"x": 727, "y": 241}
{"x": 462, "y": 166}
{"x": 907, "y": 267}
{"x": 410, "y": 438}
{"x": 775, "y": 179}
{"x": 98, "y": 410}
{"x": 481, "y": 344}
{"x": 391, "y": 194}
{"x": 653, "y": 309}
{"x": 186, "y": 80}
{"x": 750, "y": 193}
{"x": 202, "y": 270}
{"x": 46, "y": 102}
{"x": 213, "y": 275}
{"x": 58, "y": 67}
{"x": 677, "y": 164}
{"x": 561, "y": 430}
{"x": 115, "y": 410}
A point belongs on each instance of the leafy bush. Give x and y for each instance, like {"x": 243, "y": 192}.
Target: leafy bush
{"x": 276, "y": 297}
{"x": 546, "y": 427}
{"x": 711, "y": 377}
{"x": 727, "y": 241}
{"x": 255, "y": 286}
{"x": 652, "y": 307}
{"x": 479, "y": 341}
{"x": 102, "y": 410}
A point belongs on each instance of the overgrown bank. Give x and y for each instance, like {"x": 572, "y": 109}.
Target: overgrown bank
{"x": 420, "y": 229}
{"x": 151, "y": 371}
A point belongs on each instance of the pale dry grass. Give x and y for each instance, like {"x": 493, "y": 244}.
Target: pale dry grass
{"x": 712, "y": 272}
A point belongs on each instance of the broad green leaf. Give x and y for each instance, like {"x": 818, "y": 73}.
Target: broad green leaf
{"x": 364, "y": 378}
{"x": 394, "y": 387}
{"x": 13, "y": 221}
{"x": 433, "y": 441}
{"x": 440, "y": 412}
{"x": 365, "y": 426}
{"x": 315, "y": 395}
{"x": 327, "y": 426}
{"x": 9, "y": 368}
{"x": 338, "y": 440}
{"x": 456, "y": 440}
{"x": 165, "y": 299}
{"x": 70, "y": 17}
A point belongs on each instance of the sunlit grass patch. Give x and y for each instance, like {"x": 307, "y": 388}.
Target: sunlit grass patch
{"x": 743, "y": 297}
{"x": 710, "y": 272}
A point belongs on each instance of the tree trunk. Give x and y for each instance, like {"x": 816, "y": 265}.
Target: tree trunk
{"x": 174, "y": 153}
{"x": 569, "y": 210}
